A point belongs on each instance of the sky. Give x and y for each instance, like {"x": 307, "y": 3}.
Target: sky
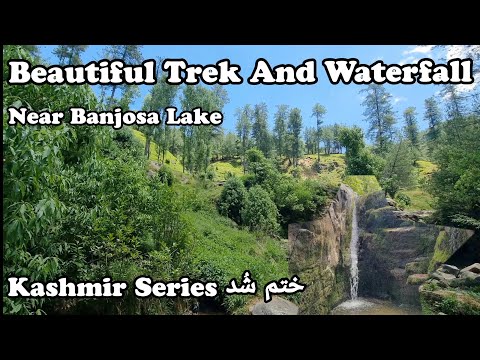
{"x": 343, "y": 102}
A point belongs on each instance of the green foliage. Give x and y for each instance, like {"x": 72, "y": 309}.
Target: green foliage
{"x": 232, "y": 199}
{"x": 456, "y": 183}
{"x": 259, "y": 212}
{"x": 165, "y": 175}
{"x": 398, "y": 172}
{"x": 379, "y": 114}
{"x": 403, "y": 200}
{"x": 221, "y": 252}
{"x": 78, "y": 204}
{"x": 294, "y": 128}
{"x": 360, "y": 160}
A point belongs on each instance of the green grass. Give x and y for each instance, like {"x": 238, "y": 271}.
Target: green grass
{"x": 363, "y": 184}
{"x": 170, "y": 160}
{"x": 222, "y": 252}
{"x": 222, "y": 168}
{"x": 420, "y": 199}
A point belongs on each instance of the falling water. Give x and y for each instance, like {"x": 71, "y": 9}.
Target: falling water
{"x": 354, "y": 254}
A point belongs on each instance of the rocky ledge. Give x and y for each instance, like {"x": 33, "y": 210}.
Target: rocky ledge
{"x": 452, "y": 291}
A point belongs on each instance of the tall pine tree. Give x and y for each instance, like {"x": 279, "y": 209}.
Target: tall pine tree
{"x": 380, "y": 116}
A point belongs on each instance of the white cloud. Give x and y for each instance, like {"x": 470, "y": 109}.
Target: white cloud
{"x": 408, "y": 60}
{"x": 462, "y": 52}
{"x": 397, "y": 99}
{"x": 456, "y": 51}
{"x": 423, "y": 49}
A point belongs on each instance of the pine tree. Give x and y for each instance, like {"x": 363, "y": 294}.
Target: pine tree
{"x": 379, "y": 113}
{"x": 243, "y": 128}
{"x": 280, "y": 129}
{"x": 260, "y": 132}
{"x": 294, "y": 130}
{"x": 70, "y": 54}
{"x": 411, "y": 126}
{"x": 130, "y": 55}
{"x": 434, "y": 118}
{"x": 318, "y": 112}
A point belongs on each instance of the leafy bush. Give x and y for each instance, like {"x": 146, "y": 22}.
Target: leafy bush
{"x": 232, "y": 199}
{"x": 259, "y": 212}
{"x": 403, "y": 200}
{"x": 165, "y": 175}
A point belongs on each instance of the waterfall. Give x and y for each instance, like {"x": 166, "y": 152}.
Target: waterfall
{"x": 354, "y": 253}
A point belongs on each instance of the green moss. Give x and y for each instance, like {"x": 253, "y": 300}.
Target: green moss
{"x": 439, "y": 254}
{"x": 363, "y": 184}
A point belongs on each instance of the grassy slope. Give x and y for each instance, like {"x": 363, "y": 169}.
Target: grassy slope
{"x": 174, "y": 162}
{"x": 334, "y": 173}
{"x": 221, "y": 251}
{"x": 362, "y": 184}
{"x": 420, "y": 198}
{"x": 222, "y": 168}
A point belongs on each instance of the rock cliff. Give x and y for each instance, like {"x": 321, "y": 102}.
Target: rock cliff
{"x": 394, "y": 247}
{"x": 319, "y": 254}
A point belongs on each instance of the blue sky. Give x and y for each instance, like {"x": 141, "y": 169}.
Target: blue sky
{"x": 343, "y": 102}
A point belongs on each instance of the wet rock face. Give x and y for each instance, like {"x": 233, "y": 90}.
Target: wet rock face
{"x": 319, "y": 253}
{"x": 394, "y": 247}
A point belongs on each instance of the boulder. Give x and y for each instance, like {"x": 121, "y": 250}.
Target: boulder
{"x": 449, "y": 269}
{"x": 474, "y": 268}
{"x": 417, "y": 279}
{"x": 469, "y": 278}
{"x": 443, "y": 278}
{"x": 277, "y": 306}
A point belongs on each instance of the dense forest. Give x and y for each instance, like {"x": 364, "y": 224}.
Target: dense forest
{"x": 163, "y": 201}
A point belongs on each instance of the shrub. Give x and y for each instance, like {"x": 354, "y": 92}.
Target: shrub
{"x": 403, "y": 200}
{"x": 232, "y": 199}
{"x": 260, "y": 212}
{"x": 165, "y": 175}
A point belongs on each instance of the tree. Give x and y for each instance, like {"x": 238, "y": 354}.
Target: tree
{"x": 230, "y": 146}
{"x": 310, "y": 135}
{"x": 456, "y": 183}
{"x": 434, "y": 118}
{"x": 280, "y": 129}
{"x": 328, "y": 139}
{"x": 411, "y": 126}
{"x": 70, "y": 54}
{"x": 294, "y": 130}
{"x": 398, "y": 171}
{"x": 231, "y": 199}
{"x": 200, "y": 138}
{"x": 243, "y": 128}
{"x": 129, "y": 54}
{"x": 318, "y": 112}
{"x": 32, "y": 50}
{"x": 359, "y": 159}
{"x": 259, "y": 212}
{"x": 379, "y": 113}
{"x": 260, "y": 132}
{"x": 454, "y": 101}
{"x": 163, "y": 96}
